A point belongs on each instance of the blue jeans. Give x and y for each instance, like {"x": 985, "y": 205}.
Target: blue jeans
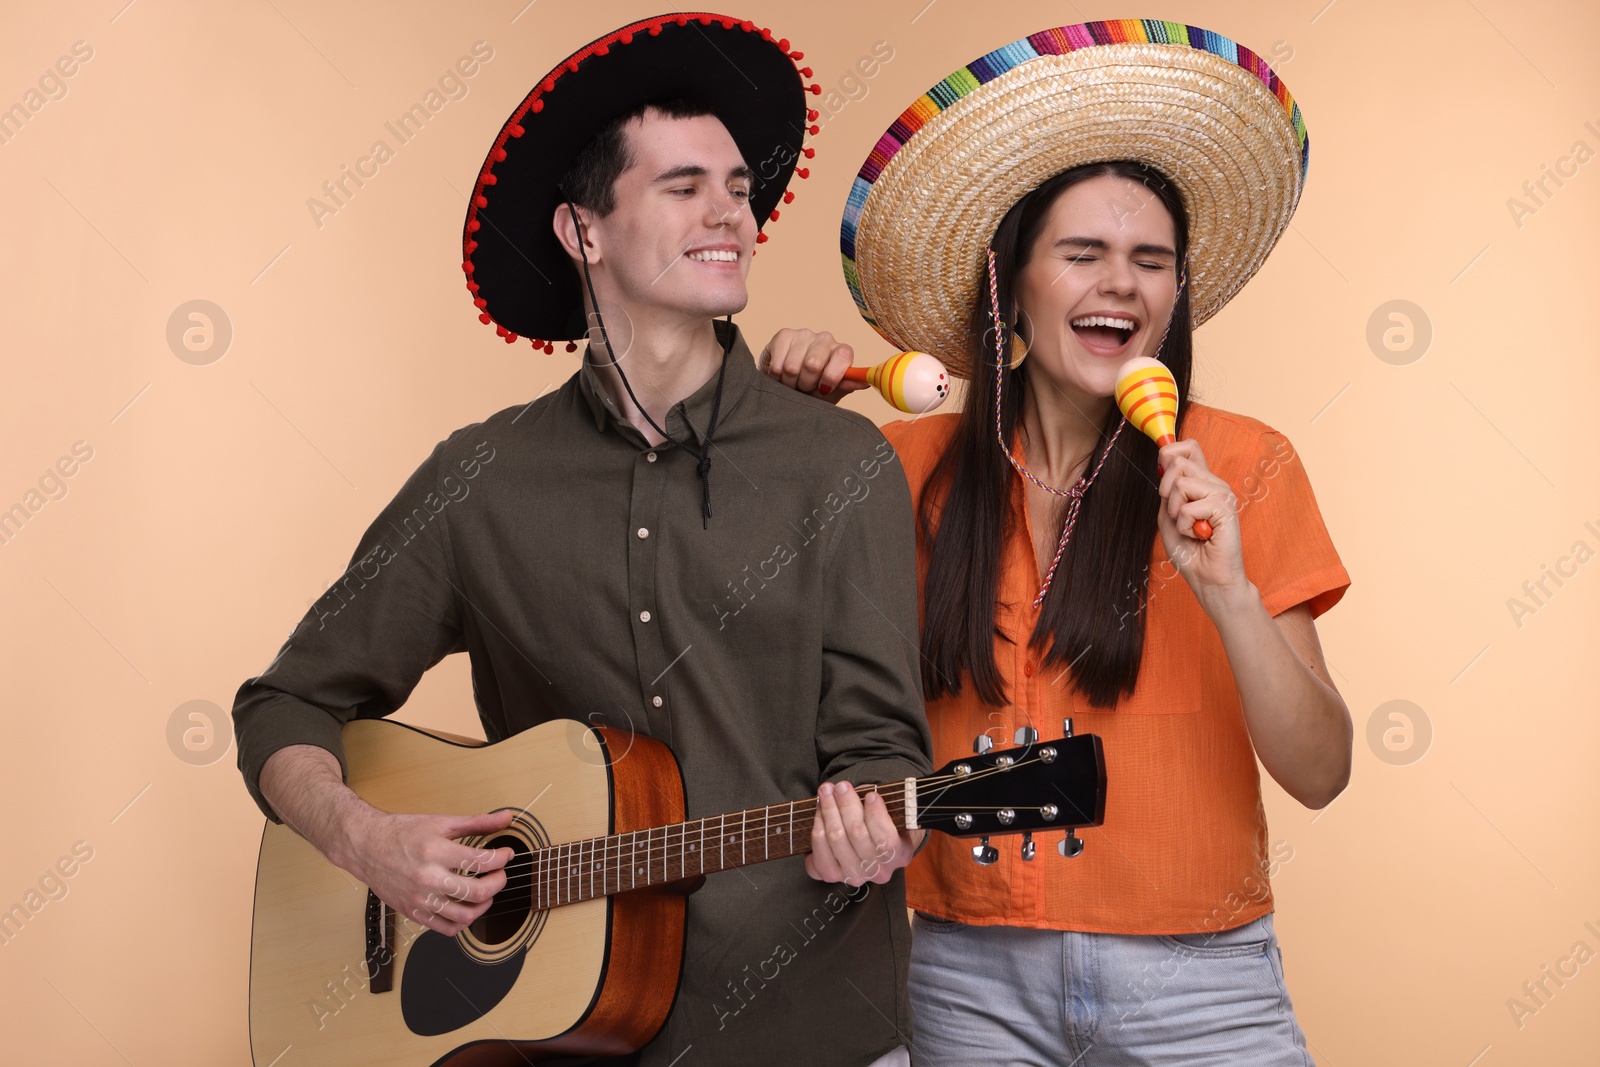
{"x": 991, "y": 995}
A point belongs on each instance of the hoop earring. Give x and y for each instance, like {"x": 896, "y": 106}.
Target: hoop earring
{"x": 1017, "y": 350}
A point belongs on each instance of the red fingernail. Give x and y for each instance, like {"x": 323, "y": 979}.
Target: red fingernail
{"x": 1160, "y": 470}
{"x": 824, "y": 389}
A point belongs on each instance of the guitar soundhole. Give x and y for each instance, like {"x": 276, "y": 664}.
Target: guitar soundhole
{"x": 511, "y": 905}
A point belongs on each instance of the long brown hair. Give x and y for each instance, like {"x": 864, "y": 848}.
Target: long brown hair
{"x": 1093, "y": 617}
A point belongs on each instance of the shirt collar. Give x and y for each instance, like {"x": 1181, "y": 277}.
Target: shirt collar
{"x": 688, "y": 419}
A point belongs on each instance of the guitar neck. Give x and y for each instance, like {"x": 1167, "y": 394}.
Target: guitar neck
{"x": 601, "y": 866}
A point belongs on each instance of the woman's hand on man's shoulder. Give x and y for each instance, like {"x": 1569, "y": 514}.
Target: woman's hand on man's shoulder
{"x": 810, "y": 362}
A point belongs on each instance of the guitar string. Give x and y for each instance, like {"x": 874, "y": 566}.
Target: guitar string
{"x": 890, "y": 792}
{"x": 650, "y": 855}
{"x": 555, "y": 878}
{"x": 567, "y": 884}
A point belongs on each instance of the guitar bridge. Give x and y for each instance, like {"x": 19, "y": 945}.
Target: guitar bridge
{"x": 380, "y": 945}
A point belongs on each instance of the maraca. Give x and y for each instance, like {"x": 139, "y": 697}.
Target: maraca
{"x": 914, "y": 382}
{"x": 1148, "y": 397}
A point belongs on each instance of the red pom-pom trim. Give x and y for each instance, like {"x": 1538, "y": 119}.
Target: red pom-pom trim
{"x": 808, "y": 152}
{"x": 812, "y": 114}
{"x": 501, "y": 330}
{"x": 805, "y": 72}
{"x": 549, "y": 348}
{"x": 468, "y": 267}
{"x": 516, "y": 131}
{"x": 788, "y": 196}
{"x": 485, "y": 318}
{"x": 472, "y": 226}
{"x": 761, "y": 239}
{"x": 814, "y": 89}
{"x": 797, "y": 56}
{"x": 480, "y": 302}
{"x": 774, "y": 215}
{"x": 572, "y": 346}
{"x": 536, "y": 107}
{"x": 802, "y": 172}
{"x": 499, "y": 155}
{"x": 481, "y": 200}
{"x": 511, "y": 338}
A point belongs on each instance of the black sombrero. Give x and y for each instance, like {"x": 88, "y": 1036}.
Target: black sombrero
{"x": 519, "y": 275}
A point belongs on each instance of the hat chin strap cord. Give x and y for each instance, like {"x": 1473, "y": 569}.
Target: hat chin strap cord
{"x": 703, "y": 457}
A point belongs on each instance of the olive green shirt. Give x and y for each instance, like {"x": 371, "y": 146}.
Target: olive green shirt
{"x": 772, "y": 648}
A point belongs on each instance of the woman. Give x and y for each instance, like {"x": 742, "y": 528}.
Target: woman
{"x": 1103, "y": 188}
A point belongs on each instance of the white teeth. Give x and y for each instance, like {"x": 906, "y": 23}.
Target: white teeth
{"x": 714, "y": 255}
{"x": 1105, "y": 320}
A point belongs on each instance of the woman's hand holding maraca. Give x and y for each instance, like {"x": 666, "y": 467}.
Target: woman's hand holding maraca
{"x": 913, "y": 382}
{"x": 810, "y": 362}
{"x": 1214, "y": 567}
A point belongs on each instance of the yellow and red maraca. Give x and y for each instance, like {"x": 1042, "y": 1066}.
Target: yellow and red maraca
{"x": 914, "y": 382}
{"x": 1148, "y": 397}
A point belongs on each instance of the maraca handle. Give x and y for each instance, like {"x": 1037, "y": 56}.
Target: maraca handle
{"x": 1202, "y": 528}
{"x": 856, "y": 374}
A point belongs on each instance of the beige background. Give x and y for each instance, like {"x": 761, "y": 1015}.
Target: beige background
{"x": 222, "y": 498}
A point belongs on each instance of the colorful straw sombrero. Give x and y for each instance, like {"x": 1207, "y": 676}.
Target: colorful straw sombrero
{"x": 1208, "y": 113}
{"x": 520, "y": 277}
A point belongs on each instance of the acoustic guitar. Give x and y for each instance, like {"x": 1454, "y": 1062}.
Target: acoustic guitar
{"x": 580, "y": 952}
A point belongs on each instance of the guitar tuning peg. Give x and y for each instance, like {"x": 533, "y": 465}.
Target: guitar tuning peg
{"x": 982, "y": 743}
{"x": 1026, "y": 735}
{"x": 1066, "y": 727}
{"x": 1027, "y": 846}
{"x": 1071, "y": 845}
{"x": 983, "y": 853}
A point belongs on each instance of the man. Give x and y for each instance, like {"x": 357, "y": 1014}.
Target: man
{"x": 760, "y": 622}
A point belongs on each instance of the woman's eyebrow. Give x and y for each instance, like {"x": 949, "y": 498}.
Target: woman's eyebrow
{"x": 1096, "y": 243}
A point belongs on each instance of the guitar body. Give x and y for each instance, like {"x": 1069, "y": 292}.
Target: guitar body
{"x": 337, "y": 979}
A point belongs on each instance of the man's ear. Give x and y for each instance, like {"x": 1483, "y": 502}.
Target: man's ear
{"x": 567, "y": 233}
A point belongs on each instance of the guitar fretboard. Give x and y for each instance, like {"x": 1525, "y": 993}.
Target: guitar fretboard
{"x": 600, "y": 866}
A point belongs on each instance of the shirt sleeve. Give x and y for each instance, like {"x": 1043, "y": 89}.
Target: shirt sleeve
{"x": 871, "y": 726}
{"x": 1288, "y": 554}
{"x": 363, "y": 646}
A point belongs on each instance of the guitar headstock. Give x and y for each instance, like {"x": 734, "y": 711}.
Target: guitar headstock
{"x": 1043, "y": 785}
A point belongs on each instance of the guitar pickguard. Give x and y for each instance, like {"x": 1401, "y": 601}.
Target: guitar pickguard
{"x": 443, "y": 989}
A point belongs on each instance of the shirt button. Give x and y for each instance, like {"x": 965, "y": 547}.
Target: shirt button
{"x": 644, "y": 616}
{"x": 656, "y": 701}
{"x": 650, "y": 457}
{"x": 643, "y": 533}
{"x": 1027, "y": 668}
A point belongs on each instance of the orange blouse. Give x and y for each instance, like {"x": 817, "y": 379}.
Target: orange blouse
{"x": 1184, "y": 846}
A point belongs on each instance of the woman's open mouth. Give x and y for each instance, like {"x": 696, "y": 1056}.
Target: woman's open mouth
{"x": 1104, "y": 335}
